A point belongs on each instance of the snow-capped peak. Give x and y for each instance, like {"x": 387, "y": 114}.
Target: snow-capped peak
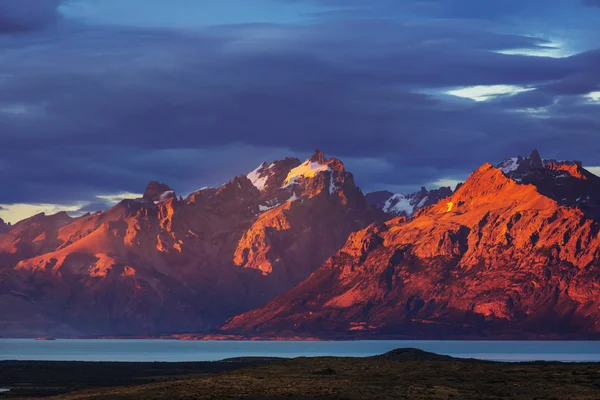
{"x": 308, "y": 169}
{"x": 260, "y": 175}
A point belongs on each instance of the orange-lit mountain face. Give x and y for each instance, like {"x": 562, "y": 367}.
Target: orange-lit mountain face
{"x": 163, "y": 264}
{"x": 499, "y": 258}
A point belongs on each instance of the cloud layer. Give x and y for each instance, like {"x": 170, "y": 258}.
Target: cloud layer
{"x": 88, "y": 110}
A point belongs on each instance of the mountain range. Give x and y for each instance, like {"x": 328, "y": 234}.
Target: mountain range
{"x": 294, "y": 249}
{"x": 499, "y": 258}
{"x": 162, "y": 263}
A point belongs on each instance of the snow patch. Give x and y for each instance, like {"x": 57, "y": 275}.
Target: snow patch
{"x": 165, "y": 196}
{"x": 262, "y": 208}
{"x": 260, "y": 175}
{"x": 269, "y": 205}
{"x": 293, "y": 198}
{"x": 307, "y": 169}
{"x": 399, "y": 204}
{"x": 422, "y": 202}
{"x": 332, "y": 186}
{"x": 273, "y": 204}
{"x": 509, "y": 165}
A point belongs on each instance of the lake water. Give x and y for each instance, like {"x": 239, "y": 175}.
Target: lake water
{"x": 173, "y": 350}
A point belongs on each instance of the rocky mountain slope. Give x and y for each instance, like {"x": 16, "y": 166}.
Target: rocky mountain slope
{"x": 501, "y": 257}
{"x": 164, "y": 264}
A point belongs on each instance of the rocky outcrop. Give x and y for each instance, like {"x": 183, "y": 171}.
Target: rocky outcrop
{"x": 497, "y": 259}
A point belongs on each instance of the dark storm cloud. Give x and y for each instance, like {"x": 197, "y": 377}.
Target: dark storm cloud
{"x": 232, "y": 85}
{"x": 86, "y": 112}
{"x": 27, "y": 15}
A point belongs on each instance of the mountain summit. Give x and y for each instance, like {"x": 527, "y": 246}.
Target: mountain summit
{"x": 317, "y": 197}
{"x": 318, "y": 157}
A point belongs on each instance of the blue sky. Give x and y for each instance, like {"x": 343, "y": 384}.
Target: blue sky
{"x": 100, "y": 96}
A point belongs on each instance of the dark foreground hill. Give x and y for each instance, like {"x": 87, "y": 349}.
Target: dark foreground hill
{"x": 400, "y": 374}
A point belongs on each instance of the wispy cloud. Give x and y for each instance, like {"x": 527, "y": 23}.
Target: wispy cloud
{"x": 593, "y": 96}
{"x": 483, "y": 93}
{"x": 115, "y": 198}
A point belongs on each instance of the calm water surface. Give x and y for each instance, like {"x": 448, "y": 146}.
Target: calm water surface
{"x": 173, "y": 350}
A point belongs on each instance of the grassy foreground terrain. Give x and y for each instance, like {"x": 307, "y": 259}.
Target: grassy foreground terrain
{"x": 401, "y": 374}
